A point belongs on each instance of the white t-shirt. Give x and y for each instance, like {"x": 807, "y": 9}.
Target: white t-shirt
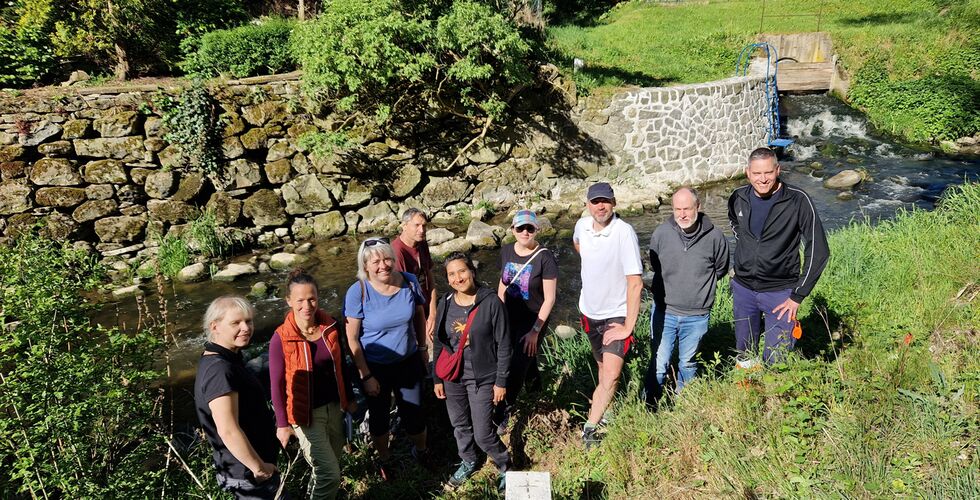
{"x": 608, "y": 257}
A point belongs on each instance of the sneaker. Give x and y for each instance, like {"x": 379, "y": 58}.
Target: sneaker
{"x": 465, "y": 470}
{"x": 606, "y": 418}
{"x": 591, "y": 437}
{"x": 502, "y": 485}
{"x": 502, "y": 426}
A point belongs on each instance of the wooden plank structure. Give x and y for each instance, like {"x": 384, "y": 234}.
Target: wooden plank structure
{"x": 806, "y": 62}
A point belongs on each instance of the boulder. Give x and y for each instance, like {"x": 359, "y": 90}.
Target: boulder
{"x": 139, "y": 174}
{"x": 118, "y": 148}
{"x": 328, "y": 225}
{"x": 846, "y": 179}
{"x": 14, "y": 197}
{"x": 309, "y": 194}
{"x": 279, "y": 150}
{"x": 10, "y": 153}
{"x": 376, "y": 217}
{"x": 75, "y": 129}
{"x": 282, "y": 261}
{"x": 153, "y": 126}
{"x": 407, "y": 178}
{"x": 159, "y": 184}
{"x": 244, "y": 173}
{"x": 93, "y": 209}
{"x": 481, "y": 234}
{"x": 39, "y": 133}
{"x": 118, "y": 123}
{"x": 126, "y": 291}
{"x": 59, "y": 196}
{"x": 7, "y": 139}
{"x": 99, "y": 191}
{"x": 358, "y": 192}
{"x": 278, "y": 172}
{"x": 55, "y": 172}
{"x": 189, "y": 187}
{"x": 304, "y": 248}
{"x": 302, "y": 228}
{"x": 192, "y": 273}
{"x": 119, "y": 229}
{"x": 255, "y": 138}
{"x": 172, "y": 211}
{"x": 12, "y": 169}
{"x": 457, "y": 245}
{"x": 234, "y": 271}
{"x": 56, "y": 148}
{"x": 442, "y": 191}
{"x": 231, "y": 147}
{"x": 226, "y": 209}
{"x": 104, "y": 172}
{"x": 234, "y": 124}
{"x": 265, "y": 208}
{"x": 266, "y": 113}
{"x": 171, "y": 157}
{"x": 565, "y": 332}
{"x": 260, "y": 290}
{"x": 438, "y": 236}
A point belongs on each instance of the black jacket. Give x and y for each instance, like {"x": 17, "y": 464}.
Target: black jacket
{"x": 771, "y": 261}
{"x": 489, "y": 338}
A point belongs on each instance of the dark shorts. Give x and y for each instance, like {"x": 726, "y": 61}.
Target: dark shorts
{"x": 595, "y": 328}
{"x": 403, "y": 379}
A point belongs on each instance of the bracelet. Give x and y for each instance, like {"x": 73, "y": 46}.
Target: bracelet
{"x": 367, "y": 377}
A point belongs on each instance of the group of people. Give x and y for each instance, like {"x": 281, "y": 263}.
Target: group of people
{"x": 484, "y": 341}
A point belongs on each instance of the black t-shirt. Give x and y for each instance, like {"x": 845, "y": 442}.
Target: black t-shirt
{"x": 525, "y": 294}
{"x": 456, "y": 316}
{"x": 760, "y": 211}
{"x": 223, "y": 373}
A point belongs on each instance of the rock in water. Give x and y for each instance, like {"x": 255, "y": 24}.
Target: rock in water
{"x": 846, "y": 179}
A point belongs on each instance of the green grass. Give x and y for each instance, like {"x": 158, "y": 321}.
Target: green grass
{"x": 645, "y": 43}
{"x": 861, "y": 412}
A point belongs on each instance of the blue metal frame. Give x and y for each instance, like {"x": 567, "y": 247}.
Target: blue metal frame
{"x": 772, "y": 91}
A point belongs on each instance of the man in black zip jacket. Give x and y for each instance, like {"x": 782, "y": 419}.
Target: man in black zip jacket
{"x": 770, "y": 220}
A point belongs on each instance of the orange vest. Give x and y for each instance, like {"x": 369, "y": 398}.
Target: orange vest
{"x": 298, "y": 363}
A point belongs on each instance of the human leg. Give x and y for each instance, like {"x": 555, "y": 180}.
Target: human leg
{"x": 748, "y": 323}
{"x": 690, "y": 331}
{"x": 408, "y": 399}
{"x": 319, "y": 452}
{"x": 609, "y": 372}
{"x": 458, "y": 408}
{"x": 778, "y": 332}
{"x": 480, "y": 399}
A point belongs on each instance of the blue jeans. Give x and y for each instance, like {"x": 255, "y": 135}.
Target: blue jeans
{"x": 750, "y": 307}
{"x": 668, "y": 331}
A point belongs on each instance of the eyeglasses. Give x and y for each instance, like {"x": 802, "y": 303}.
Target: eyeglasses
{"x": 525, "y": 228}
{"x": 375, "y": 241}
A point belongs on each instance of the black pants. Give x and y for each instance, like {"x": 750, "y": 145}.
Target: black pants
{"x": 404, "y": 380}
{"x": 470, "y": 407}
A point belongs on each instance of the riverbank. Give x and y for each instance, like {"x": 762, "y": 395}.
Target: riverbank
{"x": 913, "y": 66}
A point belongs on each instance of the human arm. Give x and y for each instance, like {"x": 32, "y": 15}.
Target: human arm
{"x": 277, "y": 386}
{"x": 634, "y": 288}
{"x": 353, "y": 328}
{"x": 722, "y": 256}
{"x": 816, "y": 251}
{"x": 419, "y": 325}
{"x": 437, "y": 347}
{"x": 430, "y": 322}
{"x": 501, "y": 336}
{"x": 530, "y": 339}
{"x": 224, "y": 411}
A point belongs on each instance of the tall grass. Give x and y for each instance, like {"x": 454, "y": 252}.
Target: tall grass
{"x": 866, "y": 410}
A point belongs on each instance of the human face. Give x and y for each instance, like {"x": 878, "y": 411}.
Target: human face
{"x": 525, "y": 234}
{"x": 233, "y": 330}
{"x": 302, "y": 299}
{"x": 460, "y": 277}
{"x": 414, "y": 229}
{"x": 601, "y": 209}
{"x": 685, "y": 209}
{"x": 763, "y": 174}
{"x": 379, "y": 267}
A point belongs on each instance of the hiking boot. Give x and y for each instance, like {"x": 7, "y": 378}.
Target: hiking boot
{"x": 465, "y": 470}
{"x": 502, "y": 426}
{"x": 502, "y": 484}
{"x": 591, "y": 437}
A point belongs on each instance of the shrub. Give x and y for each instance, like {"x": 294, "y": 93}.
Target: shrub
{"x": 192, "y": 126}
{"x": 244, "y": 51}
{"x": 76, "y": 406}
{"x": 25, "y": 54}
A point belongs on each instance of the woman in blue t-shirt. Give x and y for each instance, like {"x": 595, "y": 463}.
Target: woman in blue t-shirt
{"x": 386, "y": 333}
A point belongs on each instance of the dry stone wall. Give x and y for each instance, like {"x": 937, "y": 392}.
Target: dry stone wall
{"x": 95, "y": 166}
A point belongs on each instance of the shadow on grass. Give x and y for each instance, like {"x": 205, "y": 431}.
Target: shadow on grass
{"x": 577, "y": 12}
{"x": 879, "y": 19}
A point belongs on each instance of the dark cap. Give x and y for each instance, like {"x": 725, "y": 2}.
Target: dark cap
{"x": 600, "y": 190}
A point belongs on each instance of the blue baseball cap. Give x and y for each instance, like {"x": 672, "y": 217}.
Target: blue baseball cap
{"x": 525, "y": 217}
{"x": 600, "y": 190}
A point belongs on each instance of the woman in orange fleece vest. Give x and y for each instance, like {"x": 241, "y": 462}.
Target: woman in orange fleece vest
{"x": 309, "y": 390}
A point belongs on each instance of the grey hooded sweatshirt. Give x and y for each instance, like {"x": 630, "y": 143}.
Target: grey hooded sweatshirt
{"x": 687, "y": 266}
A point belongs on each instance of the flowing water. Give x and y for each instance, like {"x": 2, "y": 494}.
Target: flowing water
{"x": 829, "y": 135}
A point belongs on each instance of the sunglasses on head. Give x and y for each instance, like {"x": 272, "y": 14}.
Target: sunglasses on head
{"x": 375, "y": 241}
{"x": 526, "y": 228}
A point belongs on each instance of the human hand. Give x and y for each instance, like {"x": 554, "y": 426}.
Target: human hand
{"x": 430, "y": 326}
{"x": 615, "y": 332}
{"x": 372, "y": 387}
{"x": 264, "y": 472}
{"x": 284, "y": 434}
{"x": 530, "y": 340}
{"x": 498, "y": 394}
{"x": 440, "y": 391}
{"x": 789, "y": 306}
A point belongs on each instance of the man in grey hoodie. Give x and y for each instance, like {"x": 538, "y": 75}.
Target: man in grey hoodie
{"x": 688, "y": 255}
